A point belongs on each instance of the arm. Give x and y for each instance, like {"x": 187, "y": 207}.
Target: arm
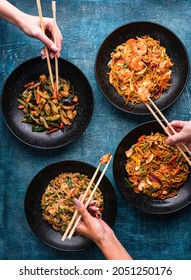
{"x": 30, "y": 25}
{"x": 99, "y": 232}
{"x": 183, "y": 129}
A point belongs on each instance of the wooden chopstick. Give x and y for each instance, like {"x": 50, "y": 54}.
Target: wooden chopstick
{"x": 46, "y": 50}
{"x": 90, "y": 198}
{"x": 168, "y": 124}
{"x": 55, "y": 41}
{"x": 83, "y": 197}
{"x": 164, "y": 127}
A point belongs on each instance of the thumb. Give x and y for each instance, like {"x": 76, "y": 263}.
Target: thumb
{"x": 81, "y": 209}
{"x": 174, "y": 139}
{"x": 47, "y": 42}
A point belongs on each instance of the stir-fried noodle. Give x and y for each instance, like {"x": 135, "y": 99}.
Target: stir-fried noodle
{"x": 58, "y": 199}
{"x": 154, "y": 168}
{"x": 140, "y": 66}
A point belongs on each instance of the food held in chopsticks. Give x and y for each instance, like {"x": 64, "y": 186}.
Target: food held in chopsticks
{"x": 154, "y": 168}
{"x": 140, "y": 65}
{"x": 47, "y": 108}
{"x": 104, "y": 159}
{"x": 58, "y": 199}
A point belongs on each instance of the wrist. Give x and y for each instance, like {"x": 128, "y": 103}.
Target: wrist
{"x": 112, "y": 248}
{"x": 12, "y": 14}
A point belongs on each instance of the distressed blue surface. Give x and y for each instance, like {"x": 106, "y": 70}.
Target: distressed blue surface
{"x": 84, "y": 25}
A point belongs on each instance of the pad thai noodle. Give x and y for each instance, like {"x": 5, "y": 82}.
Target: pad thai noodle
{"x": 48, "y": 109}
{"x": 139, "y": 68}
{"x": 154, "y": 168}
{"x": 58, "y": 199}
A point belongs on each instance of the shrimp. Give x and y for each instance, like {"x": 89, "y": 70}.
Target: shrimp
{"x": 130, "y": 42}
{"x": 105, "y": 159}
{"x": 164, "y": 66}
{"x": 126, "y": 74}
{"x": 143, "y": 94}
{"x": 140, "y": 48}
{"x": 137, "y": 64}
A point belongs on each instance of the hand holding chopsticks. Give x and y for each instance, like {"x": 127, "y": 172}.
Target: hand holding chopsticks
{"x": 55, "y": 41}
{"x": 73, "y": 223}
{"x": 165, "y": 128}
{"x": 46, "y": 50}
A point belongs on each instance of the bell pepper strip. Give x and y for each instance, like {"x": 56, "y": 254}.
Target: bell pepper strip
{"x": 62, "y": 125}
{"x": 38, "y": 128}
{"x": 128, "y": 182}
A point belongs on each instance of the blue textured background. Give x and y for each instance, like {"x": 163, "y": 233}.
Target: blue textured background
{"x": 84, "y": 25}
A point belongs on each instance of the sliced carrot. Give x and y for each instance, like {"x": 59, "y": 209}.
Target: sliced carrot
{"x": 29, "y": 84}
{"x": 173, "y": 159}
{"x": 175, "y": 172}
{"x": 141, "y": 138}
{"x": 38, "y": 98}
{"x": 52, "y": 130}
{"x": 54, "y": 96}
{"x": 21, "y": 107}
{"x": 133, "y": 179}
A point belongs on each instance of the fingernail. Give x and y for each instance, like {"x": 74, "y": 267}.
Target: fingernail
{"x": 53, "y": 48}
{"x": 95, "y": 208}
{"x": 100, "y": 216}
{"x": 52, "y": 55}
{"x": 43, "y": 56}
{"x": 77, "y": 202}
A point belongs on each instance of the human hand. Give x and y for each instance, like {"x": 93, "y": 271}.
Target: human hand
{"x": 91, "y": 226}
{"x": 99, "y": 232}
{"x": 183, "y": 129}
{"x": 31, "y": 27}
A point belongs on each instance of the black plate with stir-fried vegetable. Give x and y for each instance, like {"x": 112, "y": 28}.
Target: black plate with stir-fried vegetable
{"x": 47, "y": 108}
{"x": 73, "y": 104}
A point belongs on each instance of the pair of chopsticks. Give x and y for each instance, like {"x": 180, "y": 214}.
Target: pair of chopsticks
{"x": 55, "y": 41}
{"x": 75, "y": 220}
{"x": 165, "y": 128}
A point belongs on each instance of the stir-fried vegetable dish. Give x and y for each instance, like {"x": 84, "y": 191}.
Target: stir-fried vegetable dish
{"x": 58, "y": 199}
{"x": 47, "y": 108}
{"x": 154, "y": 168}
{"x": 140, "y": 68}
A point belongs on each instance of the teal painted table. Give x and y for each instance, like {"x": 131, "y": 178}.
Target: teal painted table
{"x": 84, "y": 25}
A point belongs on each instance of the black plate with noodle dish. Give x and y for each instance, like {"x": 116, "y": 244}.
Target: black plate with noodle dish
{"x": 174, "y": 48}
{"x": 41, "y": 228}
{"x": 29, "y": 71}
{"x": 143, "y": 202}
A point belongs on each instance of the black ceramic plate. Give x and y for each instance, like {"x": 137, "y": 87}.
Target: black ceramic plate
{"x": 29, "y": 71}
{"x": 175, "y": 50}
{"x": 144, "y": 203}
{"x": 43, "y": 230}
